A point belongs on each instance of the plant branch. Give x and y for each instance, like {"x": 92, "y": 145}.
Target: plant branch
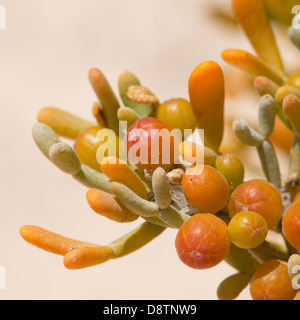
{"x": 269, "y": 163}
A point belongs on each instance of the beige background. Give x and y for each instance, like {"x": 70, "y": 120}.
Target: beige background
{"x": 46, "y": 52}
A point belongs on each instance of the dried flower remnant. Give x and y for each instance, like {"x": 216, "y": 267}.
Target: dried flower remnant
{"x": 141, "y": 94}
{"x": 175, "y": 176}
{"x": 219, "y": 215}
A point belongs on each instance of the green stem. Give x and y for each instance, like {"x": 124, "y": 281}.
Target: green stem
{"x": 172, "y": 217}
{"x": 135, "y": 239}
{"x": 266, "y": 115}
{"x": 294, "y": 167}
{"x": 281, "y": 115}
{"x": 157, "y": 221}
{"x": 269, "y": 163}
{"x": 92, "y": 179}
{"x": 246, "y": 134}
{"x": 266, "y": 252}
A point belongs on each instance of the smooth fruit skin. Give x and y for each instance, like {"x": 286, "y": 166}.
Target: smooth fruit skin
{"x": 205, "y": 188}
{"x": 86, "y": 146}
{"x": 291, "y": 224}
{"x": 207, "y": 94}
{"x": 271, "y": 281}
{"x": 177, "y": 113}
{"x": 259, "y": 196}
{"x": 140, "y": 135}
{"x": 232, "y": 169}
{"x": 248, "y": 229}
{"x": 203, "y": 241}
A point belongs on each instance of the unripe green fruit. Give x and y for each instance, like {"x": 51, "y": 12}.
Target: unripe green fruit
{"x": 231, "y": 168}
{"x": 177, "y": 113}
{"x": 248, "y": 229}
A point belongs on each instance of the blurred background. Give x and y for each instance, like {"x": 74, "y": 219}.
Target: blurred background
{"x": 46, "y": 52}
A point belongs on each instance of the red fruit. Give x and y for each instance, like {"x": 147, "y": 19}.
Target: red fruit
{"x": 203, "y": 241}
{"x": 205, "y": 188}
{"x": 291, "y": 224}
{"x": 149, "y": 144}
{"x": 271, "y": 281}
{"x": 259, "y": 196}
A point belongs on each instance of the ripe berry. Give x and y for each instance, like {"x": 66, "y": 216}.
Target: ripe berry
{"x": 202, "y": 241}
{"x": 259, "y": 196}
{"x": 149, "y": 144}
{"x": 271, "y": 281}
{"x": 205, "y": 188}
{"x": 291, "y": 224}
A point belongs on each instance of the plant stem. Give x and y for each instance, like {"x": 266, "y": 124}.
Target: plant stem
{"x": 173, "y": 217}
{"x": 266, "y": 252}
{"x": 269, "y": 163}
{"x": 294, "y": 167}
{"x": 135, "y": 239}
{"x": 280, "y": 113}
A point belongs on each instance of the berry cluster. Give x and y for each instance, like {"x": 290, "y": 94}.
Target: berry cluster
{"x": 140, "y": 160}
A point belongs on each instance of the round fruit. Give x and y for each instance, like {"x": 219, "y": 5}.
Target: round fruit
{"x": 248, "y": 229}
{"x": 86, "y": 146}
{"x": 271, "y": 281}
{"x": 259, "y": 196}
{"x": 205, "y": 188}
{"x": 291, "y": 224}
{"x": 149, "y": 144}
{"x": 202, "y": 241}
{"x": 232, "y": 169}
{"x": 177, "y": 113}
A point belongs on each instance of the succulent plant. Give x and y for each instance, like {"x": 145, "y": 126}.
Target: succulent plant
{"x": 196, "y": 188}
